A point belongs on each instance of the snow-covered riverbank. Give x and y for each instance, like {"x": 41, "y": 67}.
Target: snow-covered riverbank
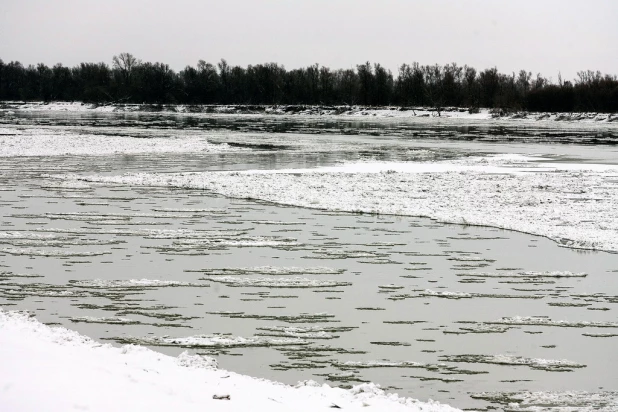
{"x": 54, "y": 369}
{"x": 302, "y": 110}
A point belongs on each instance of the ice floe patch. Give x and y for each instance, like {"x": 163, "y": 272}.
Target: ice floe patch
{"x": 119, "y": 320}
{"x": 114, "y": 320}
{"x": 445, "y": 294}
{"x": 441, "y": 368}
{"x": 296, "y": 319}
{"x": 212, "y": 341}
{"x": 571, "y": 401}
{"x": 478, "y": 328}
{"x": 262, "y": 282}
{"x": 551, "y": 365}
{"x": 16, "y": 142}
{"x": 272, "y": 271}
{"x": 379, "y": 364}
{"x": 526, "y": 274}
{"x": 50, "y": 253}
{"x": 5, "y": 275}
{"x": 545, "y": 321}
{"x": 316, "y": 332}
{"x": 132, "y": 284}
{"x": 574, "y": 206}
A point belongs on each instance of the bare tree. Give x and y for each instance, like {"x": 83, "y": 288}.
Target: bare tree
{"x": 126, "y": 64}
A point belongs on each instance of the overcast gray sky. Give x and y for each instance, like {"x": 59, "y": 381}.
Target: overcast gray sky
{"x": 544, "y": 36}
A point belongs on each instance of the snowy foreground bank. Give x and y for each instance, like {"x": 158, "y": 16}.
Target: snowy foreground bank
{"x": 55, "y": 369}
{"x": 302, "y": 110}
{"x": 573, "y": 204}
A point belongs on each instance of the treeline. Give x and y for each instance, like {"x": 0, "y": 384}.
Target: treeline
{"x": 133, "y": 81}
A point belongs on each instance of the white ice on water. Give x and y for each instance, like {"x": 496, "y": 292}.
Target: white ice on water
{"x": 293, "y": 282}
{"x": 132, "y": 283}
{"x": 16, "y": 142}
{"x": 55, "y": 369}
{"x": 573, "y": 204}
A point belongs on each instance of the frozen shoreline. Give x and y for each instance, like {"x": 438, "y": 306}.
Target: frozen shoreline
{"x": 55, "y": 369}
{"x": 306, "y": 110}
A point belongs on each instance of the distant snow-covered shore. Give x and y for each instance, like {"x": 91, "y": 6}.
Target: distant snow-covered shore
{"x": 55, "y": 369}
{"x": 353, "y": 111}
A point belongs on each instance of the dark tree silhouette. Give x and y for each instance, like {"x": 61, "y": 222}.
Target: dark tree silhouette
{"x": 130, "y": 80}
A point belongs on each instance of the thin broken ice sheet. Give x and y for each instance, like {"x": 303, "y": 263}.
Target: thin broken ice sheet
{"x": 140, "y": 379}
{"x": 571, "y": 204}
{"x": 568, "y": 401}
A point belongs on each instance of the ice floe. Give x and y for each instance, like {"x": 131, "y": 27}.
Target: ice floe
{"x": 16, "y": 142}
{"x": 274, "y": 271}
{"x": 545, "y": 321}
{"x": 213, "y": 341}
{"x": 573, "y": 205}
{"x": 527, "y": 275}
{"x": 114, "y": 320}
{"x": 295, "y": 282}
{"x": 132, "y": 283}
{"x": 50, "y": 253}
{"x": 568, "y": 401}
{"x": 552, "y": 365}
